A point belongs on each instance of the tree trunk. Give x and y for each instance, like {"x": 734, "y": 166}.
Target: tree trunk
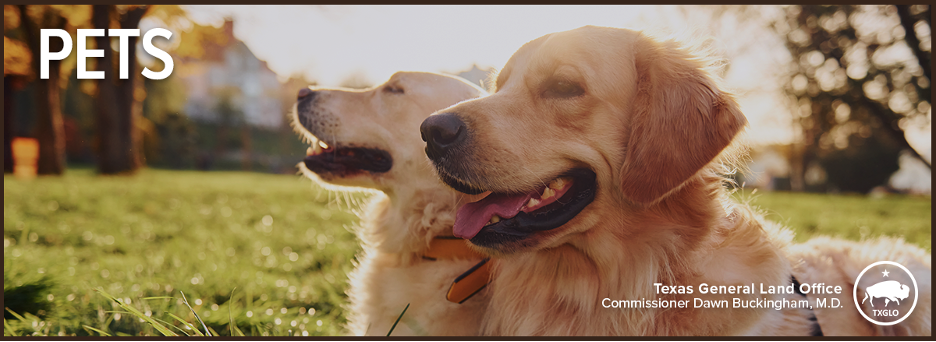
{"x": 908, "y": 22}
{"x": 797, "y": 170}
{"x": 889, "y": 125}
{"x": 7, "y": 124}
{"x": 50, "y": 131}
{"x": 113, "y": 156}
{"x": 119, "y": 144}
{"x": 131, "y": 85}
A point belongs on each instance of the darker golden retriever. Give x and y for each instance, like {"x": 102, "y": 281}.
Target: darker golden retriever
{"x": 597, "y": 169}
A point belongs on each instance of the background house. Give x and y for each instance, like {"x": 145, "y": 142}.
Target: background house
{"x": 229, "y": 71}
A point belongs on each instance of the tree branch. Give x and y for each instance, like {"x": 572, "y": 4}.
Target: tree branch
{"x": 878, "y": 110}
{"x": 907, "y": 21}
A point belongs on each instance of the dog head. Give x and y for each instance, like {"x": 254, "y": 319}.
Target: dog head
{"x": 582, "y": 123}
{"x": 367, "y": 138}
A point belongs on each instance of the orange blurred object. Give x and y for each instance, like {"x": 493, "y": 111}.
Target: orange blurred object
{"x": 25, "y": 157}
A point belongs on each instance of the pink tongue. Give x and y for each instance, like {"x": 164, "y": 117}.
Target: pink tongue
{"x": 471, "y": 217}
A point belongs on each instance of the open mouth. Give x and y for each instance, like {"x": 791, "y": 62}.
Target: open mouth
{"x": 324, "y": 158}
{"x": 498, "y": 218}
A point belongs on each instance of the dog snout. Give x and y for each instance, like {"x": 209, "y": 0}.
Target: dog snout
{"x": 441, "y": 133}
{"x": 308, "y": 113}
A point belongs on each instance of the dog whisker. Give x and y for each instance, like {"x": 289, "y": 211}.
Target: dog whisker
{"x": 540, "y": 179}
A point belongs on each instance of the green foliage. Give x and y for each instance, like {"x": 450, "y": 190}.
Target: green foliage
{"x": 109, "y": 255}
{"x": 163, "y": 97}
{"x": 26, "y": 297}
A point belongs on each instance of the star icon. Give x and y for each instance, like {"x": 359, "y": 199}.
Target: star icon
{"x": 885, "y": 273}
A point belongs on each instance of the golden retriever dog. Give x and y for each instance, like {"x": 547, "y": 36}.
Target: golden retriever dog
{"x": 369, "y": 139}
{"x": 596, "y": 169}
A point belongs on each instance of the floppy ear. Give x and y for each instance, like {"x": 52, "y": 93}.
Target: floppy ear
{"x": 681, "y": 121}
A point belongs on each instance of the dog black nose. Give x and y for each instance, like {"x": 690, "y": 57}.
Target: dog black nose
{"x": 441, "y": 132}
{"x": 304, "y": 92}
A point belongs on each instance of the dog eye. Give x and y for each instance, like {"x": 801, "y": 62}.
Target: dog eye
{"x": 562, "y": 88}
{"x": 393, "y": 90}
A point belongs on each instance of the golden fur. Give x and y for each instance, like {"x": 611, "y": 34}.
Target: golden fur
{"x": 413, "y": 208}
{"x": 652, "y": 124}
{"x": 836, "y": 261}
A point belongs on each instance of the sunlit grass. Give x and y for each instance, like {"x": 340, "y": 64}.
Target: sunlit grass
{"x": 254, "y": 254}
{"x": 281, "y": 242}
{"x": 852, "y": 216}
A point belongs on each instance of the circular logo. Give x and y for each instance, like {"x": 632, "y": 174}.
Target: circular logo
{"x": 884, "y": 290}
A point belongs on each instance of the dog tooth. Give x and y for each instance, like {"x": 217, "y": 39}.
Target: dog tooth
{"x": 557, "y": 183}
{"x": 532, "y": 203}
{"x": 547, "y": 193}
{"x": 323, "y": 144}
{"x": 310, "y": 151}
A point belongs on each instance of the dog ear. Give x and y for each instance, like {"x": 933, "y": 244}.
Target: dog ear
{"x": 681, "y": 121}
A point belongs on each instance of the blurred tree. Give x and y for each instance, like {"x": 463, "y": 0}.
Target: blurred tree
{"x": 118, "y": 100}
{"x": 859, "y": 76}
{"x": 246, "y": 148}
{"x": 98, "y": 109}
{"x": 163, "y": 106}
{"x": 166, "y": 99}
{"x": 49, "y": 128}
{"x": 7, "y": 124}
{"x": 20, "y": 27}
{"x": 168, "y": 135}
{"x": 229, "y": 116}
{"x": 16, "y": 62}
{"x": 195, "y": 41}
{"x": 78, "y": 110}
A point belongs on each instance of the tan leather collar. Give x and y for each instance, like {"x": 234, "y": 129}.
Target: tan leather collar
{"x": 450, "y": 247}
{"x": 468, "y": 283}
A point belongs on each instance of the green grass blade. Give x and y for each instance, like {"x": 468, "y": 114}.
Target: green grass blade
{"x": 151, "y": 298}
{"x": 233, "y": 327}
{"x": 16, "y": 315}
{"x": 133, "y": 311}
{"x": 8, "y": 329}
{"x": 190, "y": 325}
{"x": 196, "y": 315}
{"x": 99, "y": 331}
{"x": 398, "y": 320}
{"x": 168, "y": 324}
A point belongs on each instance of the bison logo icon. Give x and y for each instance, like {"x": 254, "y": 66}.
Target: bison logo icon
{"x": 888, "y": 280}
{"x": 890, "y": 290}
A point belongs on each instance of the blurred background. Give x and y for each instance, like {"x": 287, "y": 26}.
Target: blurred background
{"x": 838, "y": 99}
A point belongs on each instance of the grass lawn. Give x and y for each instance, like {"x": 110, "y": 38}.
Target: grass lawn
{"x": 852, "y": 216}
{"x": 278, "y": 243}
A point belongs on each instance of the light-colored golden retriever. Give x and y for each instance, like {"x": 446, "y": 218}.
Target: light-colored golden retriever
{"x": 596, "y": 166}
{"x": 369, "y": 139}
